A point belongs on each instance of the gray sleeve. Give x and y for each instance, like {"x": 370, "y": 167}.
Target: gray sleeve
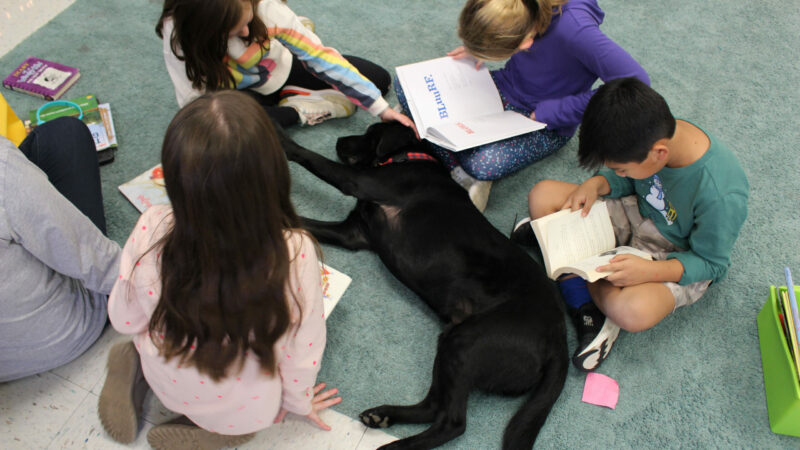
{"x": 52, "y": 229}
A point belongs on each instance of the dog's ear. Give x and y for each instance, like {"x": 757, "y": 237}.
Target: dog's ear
{"x": 393, "y": 137}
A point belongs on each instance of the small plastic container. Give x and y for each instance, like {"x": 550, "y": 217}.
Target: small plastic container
{"x": 780, "y": 375}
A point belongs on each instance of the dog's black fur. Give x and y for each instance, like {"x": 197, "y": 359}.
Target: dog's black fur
{"x": 505, "y": 330}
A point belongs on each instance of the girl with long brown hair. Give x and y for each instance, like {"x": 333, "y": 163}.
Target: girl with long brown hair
{"x": 221, "y": 289}
{"x": 262, "y": 48}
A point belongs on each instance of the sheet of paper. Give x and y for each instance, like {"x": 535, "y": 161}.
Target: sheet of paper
{"x": 600, "y": 390}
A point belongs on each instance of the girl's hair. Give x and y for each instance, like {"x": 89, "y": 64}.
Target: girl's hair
{"x": 225, "y": 261}
{"x": 200, "y": 36}
{"x": 494, "y": 29}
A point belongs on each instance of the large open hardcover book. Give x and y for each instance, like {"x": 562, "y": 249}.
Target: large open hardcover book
{"x": 458, "y": 107}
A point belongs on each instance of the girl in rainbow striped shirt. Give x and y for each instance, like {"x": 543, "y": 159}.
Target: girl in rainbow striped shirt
{"x": 262, "y": 48}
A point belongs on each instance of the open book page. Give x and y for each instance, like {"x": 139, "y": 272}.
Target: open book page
{"x": 469, "y": 133}
{"x": 585, "y": 268}
{"x": 445, "y": 89}
{"x": 565, "y": 237}
{"x": 334, "y": 283}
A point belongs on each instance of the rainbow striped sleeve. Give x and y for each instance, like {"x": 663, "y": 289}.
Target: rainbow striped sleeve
{"x": 328, "y": 65}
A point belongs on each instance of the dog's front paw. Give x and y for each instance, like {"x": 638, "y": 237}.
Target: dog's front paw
{"x": 375, "y": 418}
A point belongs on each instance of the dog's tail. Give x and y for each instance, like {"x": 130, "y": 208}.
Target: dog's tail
{"x": 523, "y": 428}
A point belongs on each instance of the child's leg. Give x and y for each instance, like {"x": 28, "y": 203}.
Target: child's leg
{"x": 502, "y": 158}
{"x": 596, "y": 333}
{"x": 634, "y": 308}
{"x": 65, "y": 151}
{"x": 548, "y": 196}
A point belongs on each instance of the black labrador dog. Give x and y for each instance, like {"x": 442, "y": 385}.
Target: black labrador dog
{"x": 505, "y": 331}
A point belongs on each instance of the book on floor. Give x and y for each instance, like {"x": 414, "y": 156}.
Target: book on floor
{"x": 574, "y": 244}
{"x": 148, "y": 189}
{"x": 458, "y": 107}
{"x": 334, "y": 283}
{"x": 42, "y": 78}
{"x": 97, "y": 117}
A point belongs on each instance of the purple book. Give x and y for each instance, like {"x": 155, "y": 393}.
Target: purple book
{"x": 42, "y": 78}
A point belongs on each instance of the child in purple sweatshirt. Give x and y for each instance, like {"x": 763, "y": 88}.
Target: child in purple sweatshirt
{"x": 555, "y": 52}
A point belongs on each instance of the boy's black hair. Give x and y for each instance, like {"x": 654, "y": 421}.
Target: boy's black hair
{"x": 622, "y": 121}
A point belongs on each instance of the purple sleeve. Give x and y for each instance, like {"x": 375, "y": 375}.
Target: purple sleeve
{"x": 601, "y": 56}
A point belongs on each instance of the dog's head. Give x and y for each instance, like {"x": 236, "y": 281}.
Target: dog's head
{"x": 379, "y": 143}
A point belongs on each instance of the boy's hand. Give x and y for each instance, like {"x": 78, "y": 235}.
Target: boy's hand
{"x": 584, "y": 196}
{"x": 629, "y": 270}
{"x": 461, "y": 52}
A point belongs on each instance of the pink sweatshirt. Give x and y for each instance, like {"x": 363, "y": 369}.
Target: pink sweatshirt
{"x": 244, "y": 402}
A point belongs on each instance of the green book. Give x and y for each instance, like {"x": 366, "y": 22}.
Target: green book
{"x": 96, "y": 116}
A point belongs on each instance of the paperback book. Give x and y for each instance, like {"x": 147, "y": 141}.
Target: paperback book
{"x": 574, "y": 244}
{"x": 42, "y": 78}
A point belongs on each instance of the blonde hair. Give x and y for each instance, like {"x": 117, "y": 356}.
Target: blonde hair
{"x": 494, "y": 29}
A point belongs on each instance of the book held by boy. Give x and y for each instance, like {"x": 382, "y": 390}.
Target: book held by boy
{"x": 42, "y": 78}
{"x": 574, "y": 244}
{"x": 458, "y": 107}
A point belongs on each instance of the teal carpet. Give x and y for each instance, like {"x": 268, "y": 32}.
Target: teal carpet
{"x": 695, "y": 380}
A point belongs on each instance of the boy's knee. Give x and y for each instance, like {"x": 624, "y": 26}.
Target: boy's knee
{"x": 540, "y": 198}
{"x": 632, "y": 316}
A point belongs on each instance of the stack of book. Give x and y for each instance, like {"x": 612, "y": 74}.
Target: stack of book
{"x": 778, "y": 331}
{"x": 790, "y": 322}
{"x": 96, "y": 116}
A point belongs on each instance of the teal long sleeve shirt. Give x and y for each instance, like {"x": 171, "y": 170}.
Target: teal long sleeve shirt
{"x": 700, "y": 208}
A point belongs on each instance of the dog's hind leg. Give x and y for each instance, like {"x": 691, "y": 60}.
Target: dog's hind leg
{"x": 446, "y": 403}
{"x": 423, "y": 412}
{"x": 346, "y": 234}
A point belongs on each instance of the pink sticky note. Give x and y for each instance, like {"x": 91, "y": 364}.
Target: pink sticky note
{"x": 600, "y": 390}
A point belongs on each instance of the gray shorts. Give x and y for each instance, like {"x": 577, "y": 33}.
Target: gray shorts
{"x": 631, "y": 229}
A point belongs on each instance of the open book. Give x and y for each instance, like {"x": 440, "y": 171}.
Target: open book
{"x": 458, "y": 107}
{"x": 574, "y": 244}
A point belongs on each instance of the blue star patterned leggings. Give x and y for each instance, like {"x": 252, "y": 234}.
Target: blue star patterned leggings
{"x": 497, "y": 159}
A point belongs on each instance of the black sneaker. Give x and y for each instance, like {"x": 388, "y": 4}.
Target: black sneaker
{"x": 596, "y": 335}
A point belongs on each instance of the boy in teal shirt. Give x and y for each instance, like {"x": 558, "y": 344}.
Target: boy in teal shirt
{"x": 672, "y": 190}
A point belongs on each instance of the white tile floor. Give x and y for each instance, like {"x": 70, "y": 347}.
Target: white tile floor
{"x": 58, "y": 409}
